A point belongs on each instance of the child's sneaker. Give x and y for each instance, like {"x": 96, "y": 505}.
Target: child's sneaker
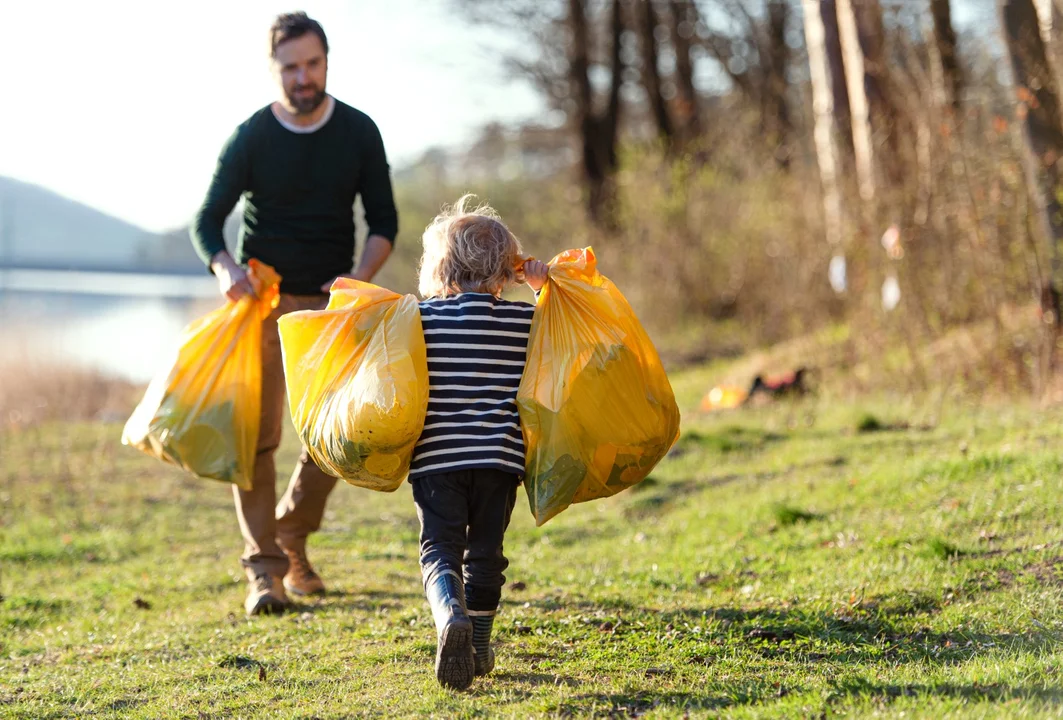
{"x": 454, "y": 655}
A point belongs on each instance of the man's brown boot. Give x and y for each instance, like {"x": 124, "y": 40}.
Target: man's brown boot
{"x": 266, "y": 596}
{"x": 301, "y": 579}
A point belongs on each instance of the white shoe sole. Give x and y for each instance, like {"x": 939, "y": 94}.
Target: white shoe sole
{"x": 267, "y": 606}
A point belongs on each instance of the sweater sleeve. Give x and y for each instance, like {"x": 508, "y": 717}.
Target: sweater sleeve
{"x": 375, "y": 187}
{"x": 229, "y": 182}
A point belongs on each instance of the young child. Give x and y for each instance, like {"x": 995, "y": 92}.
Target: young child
{"x": 469, "y": 459}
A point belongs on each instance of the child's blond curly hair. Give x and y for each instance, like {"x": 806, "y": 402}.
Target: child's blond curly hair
{"x": 467, "y": 248}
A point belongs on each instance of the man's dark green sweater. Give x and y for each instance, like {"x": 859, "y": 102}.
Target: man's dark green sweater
{"x": 299, "y": 190}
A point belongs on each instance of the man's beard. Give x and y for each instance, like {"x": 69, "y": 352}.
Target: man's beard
{"x": 305, "y": 105}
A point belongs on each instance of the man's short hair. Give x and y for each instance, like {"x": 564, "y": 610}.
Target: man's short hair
{"x": 293, "y": 25}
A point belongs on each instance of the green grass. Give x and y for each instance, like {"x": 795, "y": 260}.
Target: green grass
{"x": 778, "y": 564}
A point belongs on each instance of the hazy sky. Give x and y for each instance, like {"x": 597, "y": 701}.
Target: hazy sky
{"x": 123, "y": 105}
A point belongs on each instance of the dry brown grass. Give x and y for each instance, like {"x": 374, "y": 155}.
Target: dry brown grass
{"x": 989, "y": 360}
{"x": 34, "y": 393}
{"x": 998, "y": 359}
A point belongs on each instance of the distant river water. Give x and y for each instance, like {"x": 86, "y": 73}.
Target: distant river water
{"x": 121, "y": 324}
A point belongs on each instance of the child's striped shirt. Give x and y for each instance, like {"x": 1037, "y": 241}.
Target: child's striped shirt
{"x": 477, "y": 346}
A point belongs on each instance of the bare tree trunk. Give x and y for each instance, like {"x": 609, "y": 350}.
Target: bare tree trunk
{"x": 611, "y": 122}
{"x": 579, "y": 65}
{"x": 684, "y": 26}
{"x": 1039, "y": 105}
{"x": 945, "y": 47}
{"x": 858, "y": 103}
{"x": 776, "y": 114}
{"x": 872, "y": 33}
{"x": 828, "y": 11}
{"x": 1050, "y": 19}
{"x": 598, "y": 132}
{"x": 823, "y": 109}
{"x": 651, "y": 76}
{"x": 883, "y": 108}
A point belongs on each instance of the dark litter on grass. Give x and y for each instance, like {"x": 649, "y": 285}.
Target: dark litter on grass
{"x": 944, "y": 550}
{"x": 771, "y": 634}
{"x": 238, "y": 662}
{"x": 869, "y": 423}
{"x": 786, "y": 515}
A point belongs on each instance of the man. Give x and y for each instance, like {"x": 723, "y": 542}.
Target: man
{"x": 298, "y": 164}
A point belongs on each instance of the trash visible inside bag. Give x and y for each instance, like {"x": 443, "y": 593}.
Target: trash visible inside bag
{"x": 596, "y": 407}
{"x": 357, "y": 377}
{"x": 203, "y": 412}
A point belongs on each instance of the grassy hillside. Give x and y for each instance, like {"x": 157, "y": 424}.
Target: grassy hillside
{"x": 780, "y": 564}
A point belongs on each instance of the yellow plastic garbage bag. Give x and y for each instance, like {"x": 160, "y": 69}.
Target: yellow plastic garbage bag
{"x": 596, "y": 407}
{"x": 357, "y": 376}
{"x": 203, "y": 413}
